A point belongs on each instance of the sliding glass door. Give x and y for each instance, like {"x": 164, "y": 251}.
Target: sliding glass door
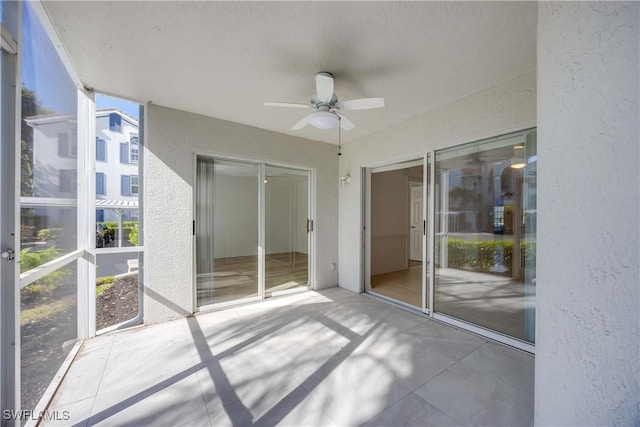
{"x": 286, "y": 228}
{"x": 252, "y": 230}
{"x": 397, "y": 254}
{"x": 455, "y": 236}
{"x": 227, "y": 230}
{"x": 485, "y": 241}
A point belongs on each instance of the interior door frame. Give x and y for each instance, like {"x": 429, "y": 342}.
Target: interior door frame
{"x": 311, "y": 239}
{"x": 389, "y": 165}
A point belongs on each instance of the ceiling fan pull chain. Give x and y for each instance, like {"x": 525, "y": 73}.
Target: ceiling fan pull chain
{"x": 339, "y": 136}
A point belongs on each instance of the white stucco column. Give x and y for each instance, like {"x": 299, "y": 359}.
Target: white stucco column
{"x": 588, "y": 283}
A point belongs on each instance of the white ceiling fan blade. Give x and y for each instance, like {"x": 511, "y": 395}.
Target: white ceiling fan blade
{"x": 324, "y": 86}
{"x": 302, "y": 123}
{"x": 361, "y": 104}
{"x": 287, "y": 105}
{"x": 345, "y": 123}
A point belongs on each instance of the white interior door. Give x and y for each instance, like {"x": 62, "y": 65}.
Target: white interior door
{"x": 416, "y": 223}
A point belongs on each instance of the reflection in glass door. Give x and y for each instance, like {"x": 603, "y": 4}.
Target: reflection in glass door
{"x": 227, "y": 208}
{"x": 485, "y": 223}
{"x": 286, "y": 228}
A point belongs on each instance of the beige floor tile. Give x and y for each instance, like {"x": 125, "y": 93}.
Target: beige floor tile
{"x": 309, "y": 359}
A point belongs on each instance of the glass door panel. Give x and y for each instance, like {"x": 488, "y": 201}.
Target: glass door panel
{"x": 227, "y": 209}
{"x": 286, "y": 228}
{"x": 49, "y": 188}
{"x": 485, "y": 238}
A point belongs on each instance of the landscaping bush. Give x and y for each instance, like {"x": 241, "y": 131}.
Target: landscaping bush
{"x": 27, "y": 233}
{"x": 112, "y": 228}
{"x": 32, "y": 259}
{"x": 104, "y": 283}
{"x": 129, "y": 230}
{"x": 528, "y": 255}
{"x": 49, "y": 283}
{"x": 483, "y": 256}
{"x": 479, "y": 255}
{"x": 133, "y": 234}
{"x": 47, "y": 234}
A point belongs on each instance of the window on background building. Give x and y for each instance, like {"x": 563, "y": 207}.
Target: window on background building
{"x": 124, "y": 153}
{"x": 134, "y": 185}
{"x": 115, "y": 122}
{"x": 129, "y": 185}
{"x": 134, "y": 153}
{"x": 100, "y": 184}
{"x": 67, "y": 145}
{"x": 101, "y": 150}
{"x": 67, "y": 180}
{"x": 125, "y": 185}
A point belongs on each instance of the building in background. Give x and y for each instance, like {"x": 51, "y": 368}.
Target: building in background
{"x": 49, "y": 187}
{"x": 117, "y": 155}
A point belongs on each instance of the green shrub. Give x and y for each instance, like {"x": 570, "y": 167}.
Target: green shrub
{"x": 104, "y": 283}
{"x": 528, "y": 254}
{"x": 27, "y": 232}
{"x": 129, "y": 230}
{"x": 133, "y": 234}
{"x": 47, "y": 234}
{"x": 479, "y": 255}
{"x": 32, "y": 259}
{"x": 111, "y": 226}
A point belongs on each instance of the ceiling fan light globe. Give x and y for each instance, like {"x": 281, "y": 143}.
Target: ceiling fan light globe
{"x": 324, "y": 120}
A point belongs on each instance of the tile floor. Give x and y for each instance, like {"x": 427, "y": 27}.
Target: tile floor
{"x": 495, "y": 302}
{"x": 329, "y": 358}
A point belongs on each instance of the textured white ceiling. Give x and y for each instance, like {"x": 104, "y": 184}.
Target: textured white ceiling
{"x": 224, "y": 59}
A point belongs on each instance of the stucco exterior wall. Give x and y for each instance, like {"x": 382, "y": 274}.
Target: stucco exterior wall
{"x": 172, "y": 139}
{"x": 504, "y": 108}
{"x": 588, "y": 296}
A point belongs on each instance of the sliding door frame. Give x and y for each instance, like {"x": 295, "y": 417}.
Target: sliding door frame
{"x": 397, "y": 164}
{"x": 429, "y": 243}
{"x": 311, "y": 238}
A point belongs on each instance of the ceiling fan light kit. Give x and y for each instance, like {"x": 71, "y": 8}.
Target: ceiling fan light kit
{"x": 326, "y": 105}
{"x": 324, "y": 120}
{"x": 518, "y": 161}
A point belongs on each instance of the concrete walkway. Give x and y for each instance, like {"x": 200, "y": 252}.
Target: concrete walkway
{"x": 310, "y": 359}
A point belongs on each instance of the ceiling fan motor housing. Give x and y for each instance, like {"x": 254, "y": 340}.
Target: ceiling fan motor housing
{"x": 326, "y": 106}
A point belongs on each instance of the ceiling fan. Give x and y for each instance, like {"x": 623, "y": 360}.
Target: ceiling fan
{"x": 326, "y": 106}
